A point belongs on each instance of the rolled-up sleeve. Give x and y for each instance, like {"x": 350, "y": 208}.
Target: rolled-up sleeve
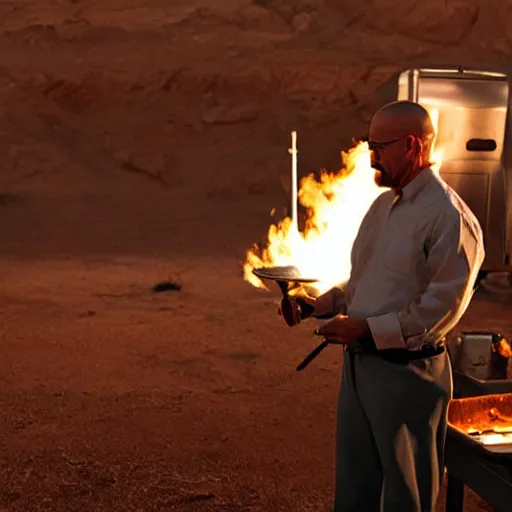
{"x": 454, "y": 257}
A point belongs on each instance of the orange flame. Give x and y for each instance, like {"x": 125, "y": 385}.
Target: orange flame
{"x": 336, "y": 203}
{"x": 503, "y": 348}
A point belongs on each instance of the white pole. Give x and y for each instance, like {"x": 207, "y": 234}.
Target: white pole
{"x": 294, "y": 194}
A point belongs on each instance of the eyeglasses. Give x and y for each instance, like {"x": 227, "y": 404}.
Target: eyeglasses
{"x": 379, "y": 146}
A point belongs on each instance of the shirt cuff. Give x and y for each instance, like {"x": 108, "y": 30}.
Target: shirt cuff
{"x": 386, "y": 331}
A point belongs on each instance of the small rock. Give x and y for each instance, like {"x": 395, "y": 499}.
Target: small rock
{"x": 166, "y": 286}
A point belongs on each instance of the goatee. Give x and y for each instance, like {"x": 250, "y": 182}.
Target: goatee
{"x": 381, "y": 177}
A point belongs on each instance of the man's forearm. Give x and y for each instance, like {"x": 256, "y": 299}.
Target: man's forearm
{"x": 330, "y": 303}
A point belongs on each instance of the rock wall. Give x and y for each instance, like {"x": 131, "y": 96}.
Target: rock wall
{"x": 94, "y": 91}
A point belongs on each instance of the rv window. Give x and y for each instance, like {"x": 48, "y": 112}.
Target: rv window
{"x": 481, "y": 145}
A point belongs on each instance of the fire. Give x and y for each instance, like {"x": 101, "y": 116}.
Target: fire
{"x": 437, "y": 152}
{"x": 336, "y": 204}
{"x": 503, "y": 348}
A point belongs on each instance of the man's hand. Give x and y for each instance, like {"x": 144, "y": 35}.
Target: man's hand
{"x": 297, "y": 308}
{"x": 344, "y": 330}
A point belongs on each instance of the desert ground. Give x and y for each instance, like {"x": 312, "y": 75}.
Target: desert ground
{"x": 147, "y": 141}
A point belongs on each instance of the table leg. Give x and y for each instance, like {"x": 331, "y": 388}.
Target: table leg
{"x": 454, "y": 495}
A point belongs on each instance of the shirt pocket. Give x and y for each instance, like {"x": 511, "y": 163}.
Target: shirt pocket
{"x": 402, "y": 251}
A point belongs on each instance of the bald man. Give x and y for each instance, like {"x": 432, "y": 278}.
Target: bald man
{"x": 414, "y": 265}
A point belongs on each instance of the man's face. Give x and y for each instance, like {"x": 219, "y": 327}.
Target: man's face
{"x": 390, "y": 156}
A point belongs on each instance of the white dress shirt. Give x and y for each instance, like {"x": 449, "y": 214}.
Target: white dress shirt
{"x": 415, "y": 261}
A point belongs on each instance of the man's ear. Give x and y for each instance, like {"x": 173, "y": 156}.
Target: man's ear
{"x": 413, "y": 144}
{"x": 410, "y": 142}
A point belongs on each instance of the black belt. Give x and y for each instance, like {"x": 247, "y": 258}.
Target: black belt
{"x": 393, "y": 355}
{"x": 404, "y": 356}
{"x": 400, "y": 355}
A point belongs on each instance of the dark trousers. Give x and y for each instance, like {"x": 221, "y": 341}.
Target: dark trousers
{"x": 391, "y": 430}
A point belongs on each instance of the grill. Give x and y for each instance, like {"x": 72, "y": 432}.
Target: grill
{"x": 486, "y": 420}
{"x": 479, "y": 450}
{"x": 479, "y": 437}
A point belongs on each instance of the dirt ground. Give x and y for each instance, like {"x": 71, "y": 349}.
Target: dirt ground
{"x": 144, "y": 141}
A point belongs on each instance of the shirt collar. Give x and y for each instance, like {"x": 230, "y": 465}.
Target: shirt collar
{"x": 412, "y": 189}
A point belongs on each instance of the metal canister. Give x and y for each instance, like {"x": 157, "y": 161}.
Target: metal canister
{"x": 475, "y": 354}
